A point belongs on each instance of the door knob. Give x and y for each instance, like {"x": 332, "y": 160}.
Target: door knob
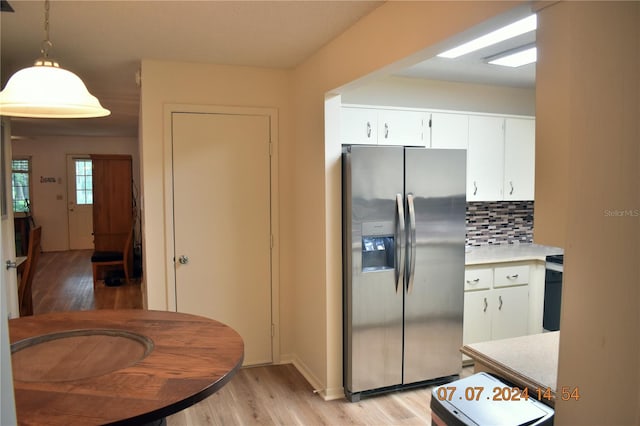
{"x": 183, "y": 260}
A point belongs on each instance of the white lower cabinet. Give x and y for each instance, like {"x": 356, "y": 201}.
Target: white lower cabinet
{"x": 477, "y": 317}
{"x": 510, "y": 312}
{"x": 498, "y": 309}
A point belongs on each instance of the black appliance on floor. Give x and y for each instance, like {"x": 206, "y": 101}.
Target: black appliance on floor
{"x": 553, "y": 292}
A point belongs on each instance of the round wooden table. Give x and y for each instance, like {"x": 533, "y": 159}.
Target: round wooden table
{"x": 117, "y": 366}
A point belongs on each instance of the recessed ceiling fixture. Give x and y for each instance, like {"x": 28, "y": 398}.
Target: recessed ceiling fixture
{"x": 47, "y": 91}
{"x": 512, "y": 30}
{"x": 516, "y": 59}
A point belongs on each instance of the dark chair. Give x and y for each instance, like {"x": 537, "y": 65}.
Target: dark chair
{"x": 25, "y": 299}
{"x": 113, "y": 258}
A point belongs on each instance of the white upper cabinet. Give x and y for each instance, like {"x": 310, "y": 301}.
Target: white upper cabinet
{"x": 400, "y": 127}
{"x": 380, "y": 126}
{"x": 449, "y": 130}
{"x": 500, "y": 149}
{"x": 358, "y": 126}
{"x": 485, "y": 158}
{"x": 519, "y": 158}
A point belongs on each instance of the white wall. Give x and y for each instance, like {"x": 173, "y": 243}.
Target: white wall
{"x": 49, "y": 159}
{"x": 8, "y": 291}
{"x": 201, "y": 84}
{"x": 588, "y": 200}
{"x": 310, "y": 281}
{"x": 432, "y": 94}
{"x": 391, "y": 33}
{"x": 310, "y": 218}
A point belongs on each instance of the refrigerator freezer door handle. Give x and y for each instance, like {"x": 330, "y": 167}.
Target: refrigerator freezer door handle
{"x": 412, "y": 244}
{"x": 401, "y": 236}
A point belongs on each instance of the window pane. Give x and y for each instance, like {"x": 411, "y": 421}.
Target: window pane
{"x": 20, "y": 173}
{"x": 83, "y": 182}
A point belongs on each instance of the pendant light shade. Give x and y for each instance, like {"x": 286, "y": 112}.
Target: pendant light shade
{"x": 47, "y": 91}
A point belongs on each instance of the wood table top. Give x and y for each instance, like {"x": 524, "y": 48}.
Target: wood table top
{"x": 117, "y": 366}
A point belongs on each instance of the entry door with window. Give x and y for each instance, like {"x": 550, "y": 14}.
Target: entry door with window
{"x": 80, "y": 198}
{"x": 222, "y": 223}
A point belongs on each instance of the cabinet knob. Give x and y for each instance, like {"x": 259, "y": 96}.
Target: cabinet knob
{"x": 485, "y": 305}
{"x": 386, "y": 130}
{"x": 183, "y": 260}
{"x": 512, "y": 277}
{"x": 475, "y": 188}
{"x": 500, "y": 303}
{"x": 476, "y": 281}
{"x": 368, "y": 129}
{"x": 511, "y": 192}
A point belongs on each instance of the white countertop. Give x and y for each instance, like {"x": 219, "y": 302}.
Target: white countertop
{"x": 508, "y": 253}
{"x": 530, "y": 361}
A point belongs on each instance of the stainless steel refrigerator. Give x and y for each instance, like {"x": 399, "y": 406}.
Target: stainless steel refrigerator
{"x": 403, "y": 255}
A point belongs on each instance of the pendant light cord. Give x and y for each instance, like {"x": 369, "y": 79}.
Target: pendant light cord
{"x": 46, "y": 43}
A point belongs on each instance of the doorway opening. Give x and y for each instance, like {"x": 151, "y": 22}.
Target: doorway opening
{"x": 80, "y": 201}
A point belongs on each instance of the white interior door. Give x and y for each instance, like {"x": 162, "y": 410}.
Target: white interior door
{"x": 222, "y": 223}
{"x": 80, "y": 202}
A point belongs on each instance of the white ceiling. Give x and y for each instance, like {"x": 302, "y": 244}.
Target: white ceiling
{"x": 103, "y": 41}
{"x": 473, "y": 67}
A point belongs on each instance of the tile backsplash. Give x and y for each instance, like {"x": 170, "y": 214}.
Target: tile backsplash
{"x": 499, "y": 222}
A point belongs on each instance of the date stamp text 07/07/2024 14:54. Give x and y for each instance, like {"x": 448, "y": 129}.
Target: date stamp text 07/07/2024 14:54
{"x": 504, "y": 393}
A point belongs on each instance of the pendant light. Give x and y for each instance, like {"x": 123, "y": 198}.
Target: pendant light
{"x": 47, "y": 91}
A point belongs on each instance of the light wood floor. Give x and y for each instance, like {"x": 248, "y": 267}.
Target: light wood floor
{"x": 267, "y": 395}
{"x": 279, "y": 395}
{"x": 64, "y": 282}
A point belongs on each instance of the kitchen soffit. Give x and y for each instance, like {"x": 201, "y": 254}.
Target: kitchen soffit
{"x": 473, "y": 67}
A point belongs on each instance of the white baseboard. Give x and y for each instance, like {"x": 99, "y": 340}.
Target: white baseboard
{"x": 325, "y": 394}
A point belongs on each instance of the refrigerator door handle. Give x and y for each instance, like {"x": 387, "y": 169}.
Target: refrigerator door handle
{"x": 401, "y": 236}
{"x": 412, "y": 244}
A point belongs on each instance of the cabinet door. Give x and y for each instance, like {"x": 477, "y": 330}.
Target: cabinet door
{"x": 477, "y": 317}
{"x": 112, "y": 201}
{"x": 511, "y": 275}
{"x": 519, "y": 158}
{"x": 477, "y": 278}
{"x": 402, "y": 128}
{"x": 510, "y": 316}
{"x": 358, "y": 126}
{"x": 485, "y": 158}
{"x": 449, "y": 130}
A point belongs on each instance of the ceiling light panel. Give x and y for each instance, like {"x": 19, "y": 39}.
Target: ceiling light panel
{"x": 512, "y": 30}
{"x": 517, "y": 59}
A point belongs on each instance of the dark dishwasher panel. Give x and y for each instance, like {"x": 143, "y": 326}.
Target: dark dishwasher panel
{"x": 552, "y": 293}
